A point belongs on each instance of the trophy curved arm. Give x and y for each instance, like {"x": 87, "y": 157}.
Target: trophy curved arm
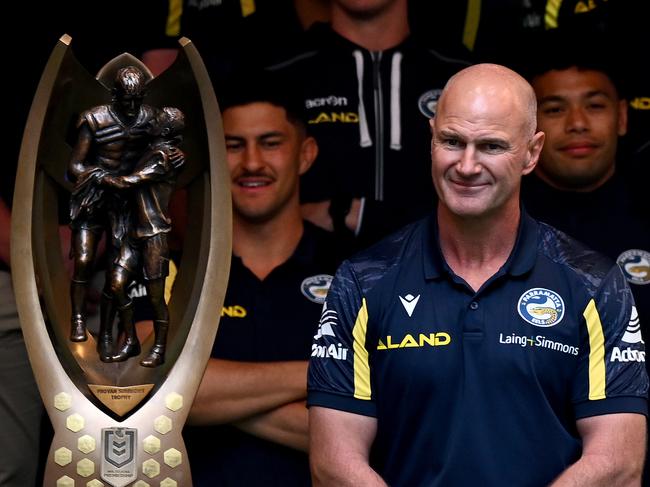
{"x": 37, "y": 340}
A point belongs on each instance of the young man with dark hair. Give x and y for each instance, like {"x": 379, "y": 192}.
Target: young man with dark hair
{"x": 249, "y": 413}
{"x": 578, "y": 186}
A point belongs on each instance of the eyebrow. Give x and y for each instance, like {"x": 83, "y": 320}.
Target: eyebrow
{"x": 265, "y": 135}
{"x": 449, "y": 133}
{"x": 493, "y": 140}
{"x": 560, "y": 98}
{"x": 234, "y": 137}
{"x": 446, "y": 133}
{"x": 593, "y": 93}
{"x": 268, "y": 135}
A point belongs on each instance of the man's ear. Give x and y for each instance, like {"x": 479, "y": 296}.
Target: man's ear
{"x": 308, "y": 153}
{"x": 432, "y": 132}
{"x": 534, "y": 150}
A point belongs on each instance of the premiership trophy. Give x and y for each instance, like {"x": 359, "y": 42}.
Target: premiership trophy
{"x": 113, "y": 143}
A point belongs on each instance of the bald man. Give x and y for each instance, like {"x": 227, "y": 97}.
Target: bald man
{"x": 478, "y": 346}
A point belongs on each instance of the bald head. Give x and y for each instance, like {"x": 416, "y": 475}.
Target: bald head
{"x": 483, "y": 142}
{"x": 492, "y": 87}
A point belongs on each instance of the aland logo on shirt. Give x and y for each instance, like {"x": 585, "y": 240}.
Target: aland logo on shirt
{"x": 541, "y": 307}
{"x": 635, "y": 264}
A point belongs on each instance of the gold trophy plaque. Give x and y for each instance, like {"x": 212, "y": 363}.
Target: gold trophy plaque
{"x": 118, "y": 422}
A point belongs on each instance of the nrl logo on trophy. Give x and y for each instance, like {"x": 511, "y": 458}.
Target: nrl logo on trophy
{"x": 111, "y": 151}
{"x": 118, "y": 462}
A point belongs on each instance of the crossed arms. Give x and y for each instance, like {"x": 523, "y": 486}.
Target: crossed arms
{"x": 612, "y": 455}
{"x": 265, "y": 399}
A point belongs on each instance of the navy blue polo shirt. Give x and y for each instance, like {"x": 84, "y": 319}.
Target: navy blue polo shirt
{"x": 267, "y": 320}
{"x": 478, "y": 388}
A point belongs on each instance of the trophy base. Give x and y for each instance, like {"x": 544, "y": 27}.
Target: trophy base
{"x": 92, "y": 450}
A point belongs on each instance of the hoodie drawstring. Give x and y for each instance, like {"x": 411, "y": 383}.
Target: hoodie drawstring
{"x": 395, "y": 106}
{"x": 395, "y": 101}
{"x": 364, "y": 134}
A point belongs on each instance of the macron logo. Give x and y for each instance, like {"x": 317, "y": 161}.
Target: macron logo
{"x": 409, "y": 302}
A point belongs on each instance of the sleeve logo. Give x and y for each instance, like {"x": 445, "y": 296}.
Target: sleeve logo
{"x": 336, "y": 351}
{"x": 328, "y": 320}
{"x": 428, "y": 102}
{"x": 632, "y": 336}
{"x": 633, "y": 330}
{"x": 315, "y": 288}
{"x": 635, "y": 265}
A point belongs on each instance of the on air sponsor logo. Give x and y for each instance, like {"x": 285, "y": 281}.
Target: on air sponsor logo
{"x": 635, "y": 264}
{"x": 331, "y": 101}
{"x": 336, "y": 352}
{"x": 137, "y": 290}
{"x": 538, "y": 341}
{"x": 326, "y": 326}
{"x": 438, "y": 339}
{"x": 541, "y": 307}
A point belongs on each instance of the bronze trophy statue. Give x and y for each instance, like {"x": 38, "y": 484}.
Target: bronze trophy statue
{"x": 118, "y": 406}
{"x": 145, "y": 241}
{"x": 124, "y": 167}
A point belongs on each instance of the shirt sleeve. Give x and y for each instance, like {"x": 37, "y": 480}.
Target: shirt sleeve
{"x": 339, "y": 370}
{"x": 611, "y": 375}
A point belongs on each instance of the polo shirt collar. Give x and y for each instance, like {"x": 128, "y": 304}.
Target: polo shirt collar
{"x": 521, "y": 260}
{"x": 434, "y": 263}
{"x": 303, "y": 255}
